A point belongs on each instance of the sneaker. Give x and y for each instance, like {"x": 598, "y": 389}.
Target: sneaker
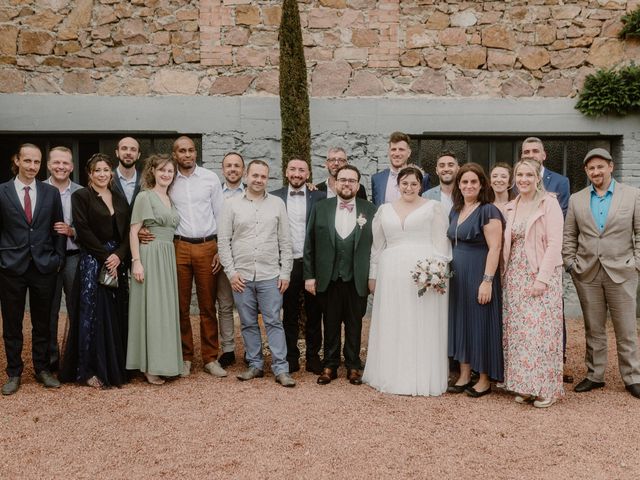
{"x": 524, "y": 399}
{"x": 186, "y": 369}
{"x": 544, "y": 403}
{"x": 285, "y": 380}
{"x": 215, "y": 369}
{"x": 250, "y": 373}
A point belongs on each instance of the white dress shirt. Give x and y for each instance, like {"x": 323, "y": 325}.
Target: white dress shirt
{"x": 232, "y": 192}
{"x": 345, "y": 219}
{"x": 297, "y": 213}
{"x": 65, "y": 196}
{"x": 128, "y": 184}
{"x": 392, "y": 192}
{"x": 198, "y": 199}
{"x": 447, "y": 202}
{"x": 33, "y": 193}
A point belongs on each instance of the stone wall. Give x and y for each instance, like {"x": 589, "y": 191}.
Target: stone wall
{"x": 353, "y": 47}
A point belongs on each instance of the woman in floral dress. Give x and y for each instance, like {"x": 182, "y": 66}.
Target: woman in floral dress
{"x": 532, "y": 291}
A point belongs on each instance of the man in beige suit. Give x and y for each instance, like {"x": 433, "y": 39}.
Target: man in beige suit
{"x": 601, "y": 250}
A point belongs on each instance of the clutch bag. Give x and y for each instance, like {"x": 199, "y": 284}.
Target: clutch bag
{"x": 106, "y": 279}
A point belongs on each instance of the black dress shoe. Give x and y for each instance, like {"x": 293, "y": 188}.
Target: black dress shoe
{"x": 634, "y": 389}
{"x": 12, "y": 386}
{"x": 587, "y": 385}
{"x": 472, "y": 392}
{"x": 226, "y": 359}
{"x": 48, "y": 380}
{"x": 327, "y": 375}
{"x": 313, "y": 365}
{"x": 459, "y": 388}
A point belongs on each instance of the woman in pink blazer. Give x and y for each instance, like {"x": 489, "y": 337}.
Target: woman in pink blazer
{"x": 532, "y": 291}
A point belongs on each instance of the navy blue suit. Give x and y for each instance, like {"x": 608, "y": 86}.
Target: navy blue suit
{"x": 291, "y": 298}
{"x": 31, "y": 254}
{"x": 558, "y": 184}
{"x": 118, "y": 186}
{"x": 379, "y": 186}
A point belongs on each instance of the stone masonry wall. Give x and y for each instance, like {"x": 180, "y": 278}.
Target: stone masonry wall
{"x": 353, "y": 47}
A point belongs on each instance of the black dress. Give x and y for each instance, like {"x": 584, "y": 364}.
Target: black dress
{"x": 96, "y": 341}
{"x": 475, "y": 330}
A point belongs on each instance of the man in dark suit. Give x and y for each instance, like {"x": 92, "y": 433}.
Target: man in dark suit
{"x": 31, "y": 254}
{"x": 336, "y": 268}
{"x": 126, "y": 177}
{"x": 300, "y": 201}
{"x": 60, "y": 166}
{"x": 384, "y": 184}
{"x": 336, "y": 158}
{"x": 533, "y": 148}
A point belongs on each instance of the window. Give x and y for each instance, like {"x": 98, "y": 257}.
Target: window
{"x": 83, "y": 146}
{"x": 564, "y": 154}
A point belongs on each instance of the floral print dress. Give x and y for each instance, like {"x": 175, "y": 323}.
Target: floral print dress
{"x": 532, "y": 327}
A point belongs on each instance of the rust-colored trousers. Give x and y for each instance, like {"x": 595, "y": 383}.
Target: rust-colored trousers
{"x": 194, "y": 263}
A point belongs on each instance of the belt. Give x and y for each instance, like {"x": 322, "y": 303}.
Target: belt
{"x": 71, "y": 253}
{"x": 196, "y": 240}
{"x": 298, "y": 260}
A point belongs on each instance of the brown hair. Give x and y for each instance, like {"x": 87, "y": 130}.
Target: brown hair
{"x": 93, "y": 161}
{"x": 233, "y": 153}
{"x": 257, "y": 162}
{"x": 16, "y": 156}
{"x": 485, "y": 195}
{"x": 153, "y": 162}
{"x": 410, "y": 170}
{"x": 511, "y": 180}
{"x": 349, "y": 167}
{"x": 396, "y": 137}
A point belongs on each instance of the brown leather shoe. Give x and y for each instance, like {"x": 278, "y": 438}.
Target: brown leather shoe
{"x": 327, "y": 375}
{"x": 354, "y": 377}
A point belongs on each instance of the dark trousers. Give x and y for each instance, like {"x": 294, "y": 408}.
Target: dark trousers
{"x": 13, "y": 292}
{"x": 342, "y": 304}
{"x": 291, "y": 317}
{"x": 64, "y": 281}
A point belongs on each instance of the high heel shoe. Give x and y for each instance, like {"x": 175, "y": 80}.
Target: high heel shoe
{"x": 153, "y": 379}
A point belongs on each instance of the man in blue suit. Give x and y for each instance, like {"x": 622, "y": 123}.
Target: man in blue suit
{"x": 384, "y": 185}
{"x": 299, "y": 201}
{"x": 533, "y": 148}
{"x": 31, "y": 254}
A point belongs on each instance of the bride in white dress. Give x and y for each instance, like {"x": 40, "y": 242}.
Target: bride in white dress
{"x": 407, "y": 351}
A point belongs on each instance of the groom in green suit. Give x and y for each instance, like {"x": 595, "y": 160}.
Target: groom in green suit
{"x": 336, "y": 269}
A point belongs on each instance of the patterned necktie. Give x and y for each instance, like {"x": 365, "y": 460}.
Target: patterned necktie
{"x": 27, "y": 204}
{"x": 346, "y": 206}
{"x": 293, "y": 193}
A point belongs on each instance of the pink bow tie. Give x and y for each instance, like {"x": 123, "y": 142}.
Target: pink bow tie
{"x": 346, "y": 206}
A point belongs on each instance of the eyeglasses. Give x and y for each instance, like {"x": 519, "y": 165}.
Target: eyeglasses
{"x": 350, "y": 181}
{"x": 336, "y": 160}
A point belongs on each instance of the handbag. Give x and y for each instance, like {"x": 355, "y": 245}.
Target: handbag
{"x": 106, "y": 279}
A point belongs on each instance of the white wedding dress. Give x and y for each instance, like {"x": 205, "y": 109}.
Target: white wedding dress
{"x": 407, "y": 351}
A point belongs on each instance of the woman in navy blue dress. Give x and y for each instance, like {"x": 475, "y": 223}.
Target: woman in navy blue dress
{"x": 475, "y": 298}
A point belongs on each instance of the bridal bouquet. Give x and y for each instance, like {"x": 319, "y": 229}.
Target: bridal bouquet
{"x": 431, "y": 274}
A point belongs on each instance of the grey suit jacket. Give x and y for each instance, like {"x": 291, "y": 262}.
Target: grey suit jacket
{"x": 432, "y": 193}
{"x": 616, "y": 248}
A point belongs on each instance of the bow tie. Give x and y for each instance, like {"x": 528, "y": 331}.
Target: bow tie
{"x": 293, "y": 193}
{"x": 346, "y": 206}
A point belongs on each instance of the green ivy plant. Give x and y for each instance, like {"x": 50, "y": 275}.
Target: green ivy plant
{"x": 631, "y": 24}
{"x": 611, "y": 92}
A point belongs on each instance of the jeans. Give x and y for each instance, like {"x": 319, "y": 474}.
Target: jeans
{"x": 265, "y": 297}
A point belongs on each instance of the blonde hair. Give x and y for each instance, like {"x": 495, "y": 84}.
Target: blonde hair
{"x": 536, "y": 167}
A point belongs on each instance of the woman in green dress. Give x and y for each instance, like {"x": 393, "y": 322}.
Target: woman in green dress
{"x": 153, "y": 345}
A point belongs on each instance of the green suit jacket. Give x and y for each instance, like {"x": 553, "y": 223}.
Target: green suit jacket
{"x": 320, "y": 248}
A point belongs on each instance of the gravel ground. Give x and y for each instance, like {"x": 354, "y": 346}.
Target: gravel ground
{"x": 203, "y": 427}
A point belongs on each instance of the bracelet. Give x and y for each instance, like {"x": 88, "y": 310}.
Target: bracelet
{"x": 487, "y": 278}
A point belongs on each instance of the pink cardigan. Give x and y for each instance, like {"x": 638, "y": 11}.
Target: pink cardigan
{"x": 542, "y": 239}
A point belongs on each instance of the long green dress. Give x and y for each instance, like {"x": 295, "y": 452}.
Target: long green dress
{"x": 154, "y": 327}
